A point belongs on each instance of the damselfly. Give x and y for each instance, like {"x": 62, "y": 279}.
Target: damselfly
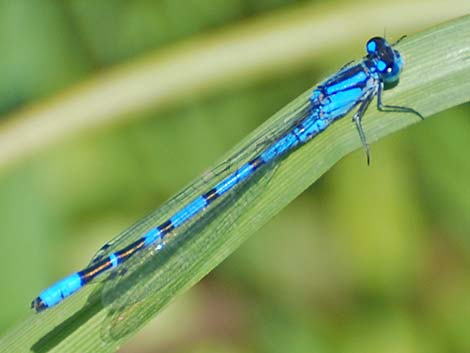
{"x": 354, "y": 85}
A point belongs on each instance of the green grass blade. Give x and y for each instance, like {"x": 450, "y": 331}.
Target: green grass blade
{"x": 436, "y": 77}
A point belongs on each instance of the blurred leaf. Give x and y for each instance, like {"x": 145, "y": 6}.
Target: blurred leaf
{"x": 38, "y": 55}
{"x": 445, "y": 171}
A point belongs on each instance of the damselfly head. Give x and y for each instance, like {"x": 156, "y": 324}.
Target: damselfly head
{"x": 387, "y": 61}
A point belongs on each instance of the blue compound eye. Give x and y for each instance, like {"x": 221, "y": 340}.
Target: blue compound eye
{"x": 390, "y": 69}
{"x": 393, "y": 72}
{"x": 375, "y": 44}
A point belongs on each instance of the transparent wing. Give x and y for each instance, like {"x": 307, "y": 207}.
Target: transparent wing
{"x": 259, "y": 141}
{"x": 135, "y": 283}
{"x": 158, "y": 216}
{"x": 152, "y": 270}
{"x": 133, "y": 265}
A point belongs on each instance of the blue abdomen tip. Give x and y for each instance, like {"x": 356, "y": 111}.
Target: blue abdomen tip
{"x": 57, "y": 292}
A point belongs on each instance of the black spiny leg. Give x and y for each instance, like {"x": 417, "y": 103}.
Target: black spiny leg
{"x": 393, "y": 108}
{"x": 357, "y": 118}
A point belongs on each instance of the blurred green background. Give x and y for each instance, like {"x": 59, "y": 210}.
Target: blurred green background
{"x": 369, "y": 259}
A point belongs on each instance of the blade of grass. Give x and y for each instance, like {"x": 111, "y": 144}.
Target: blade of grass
{"x": 437, "y": 76}
{"x": 209, "y": 62}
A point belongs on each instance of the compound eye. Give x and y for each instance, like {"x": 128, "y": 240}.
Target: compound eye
{"x": 393, "y": 72}
{"x": 393, "y": 69}
{"x": 374, "y": 45}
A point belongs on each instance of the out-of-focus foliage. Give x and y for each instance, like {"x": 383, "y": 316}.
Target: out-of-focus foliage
{"x": 369, "y": 259}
